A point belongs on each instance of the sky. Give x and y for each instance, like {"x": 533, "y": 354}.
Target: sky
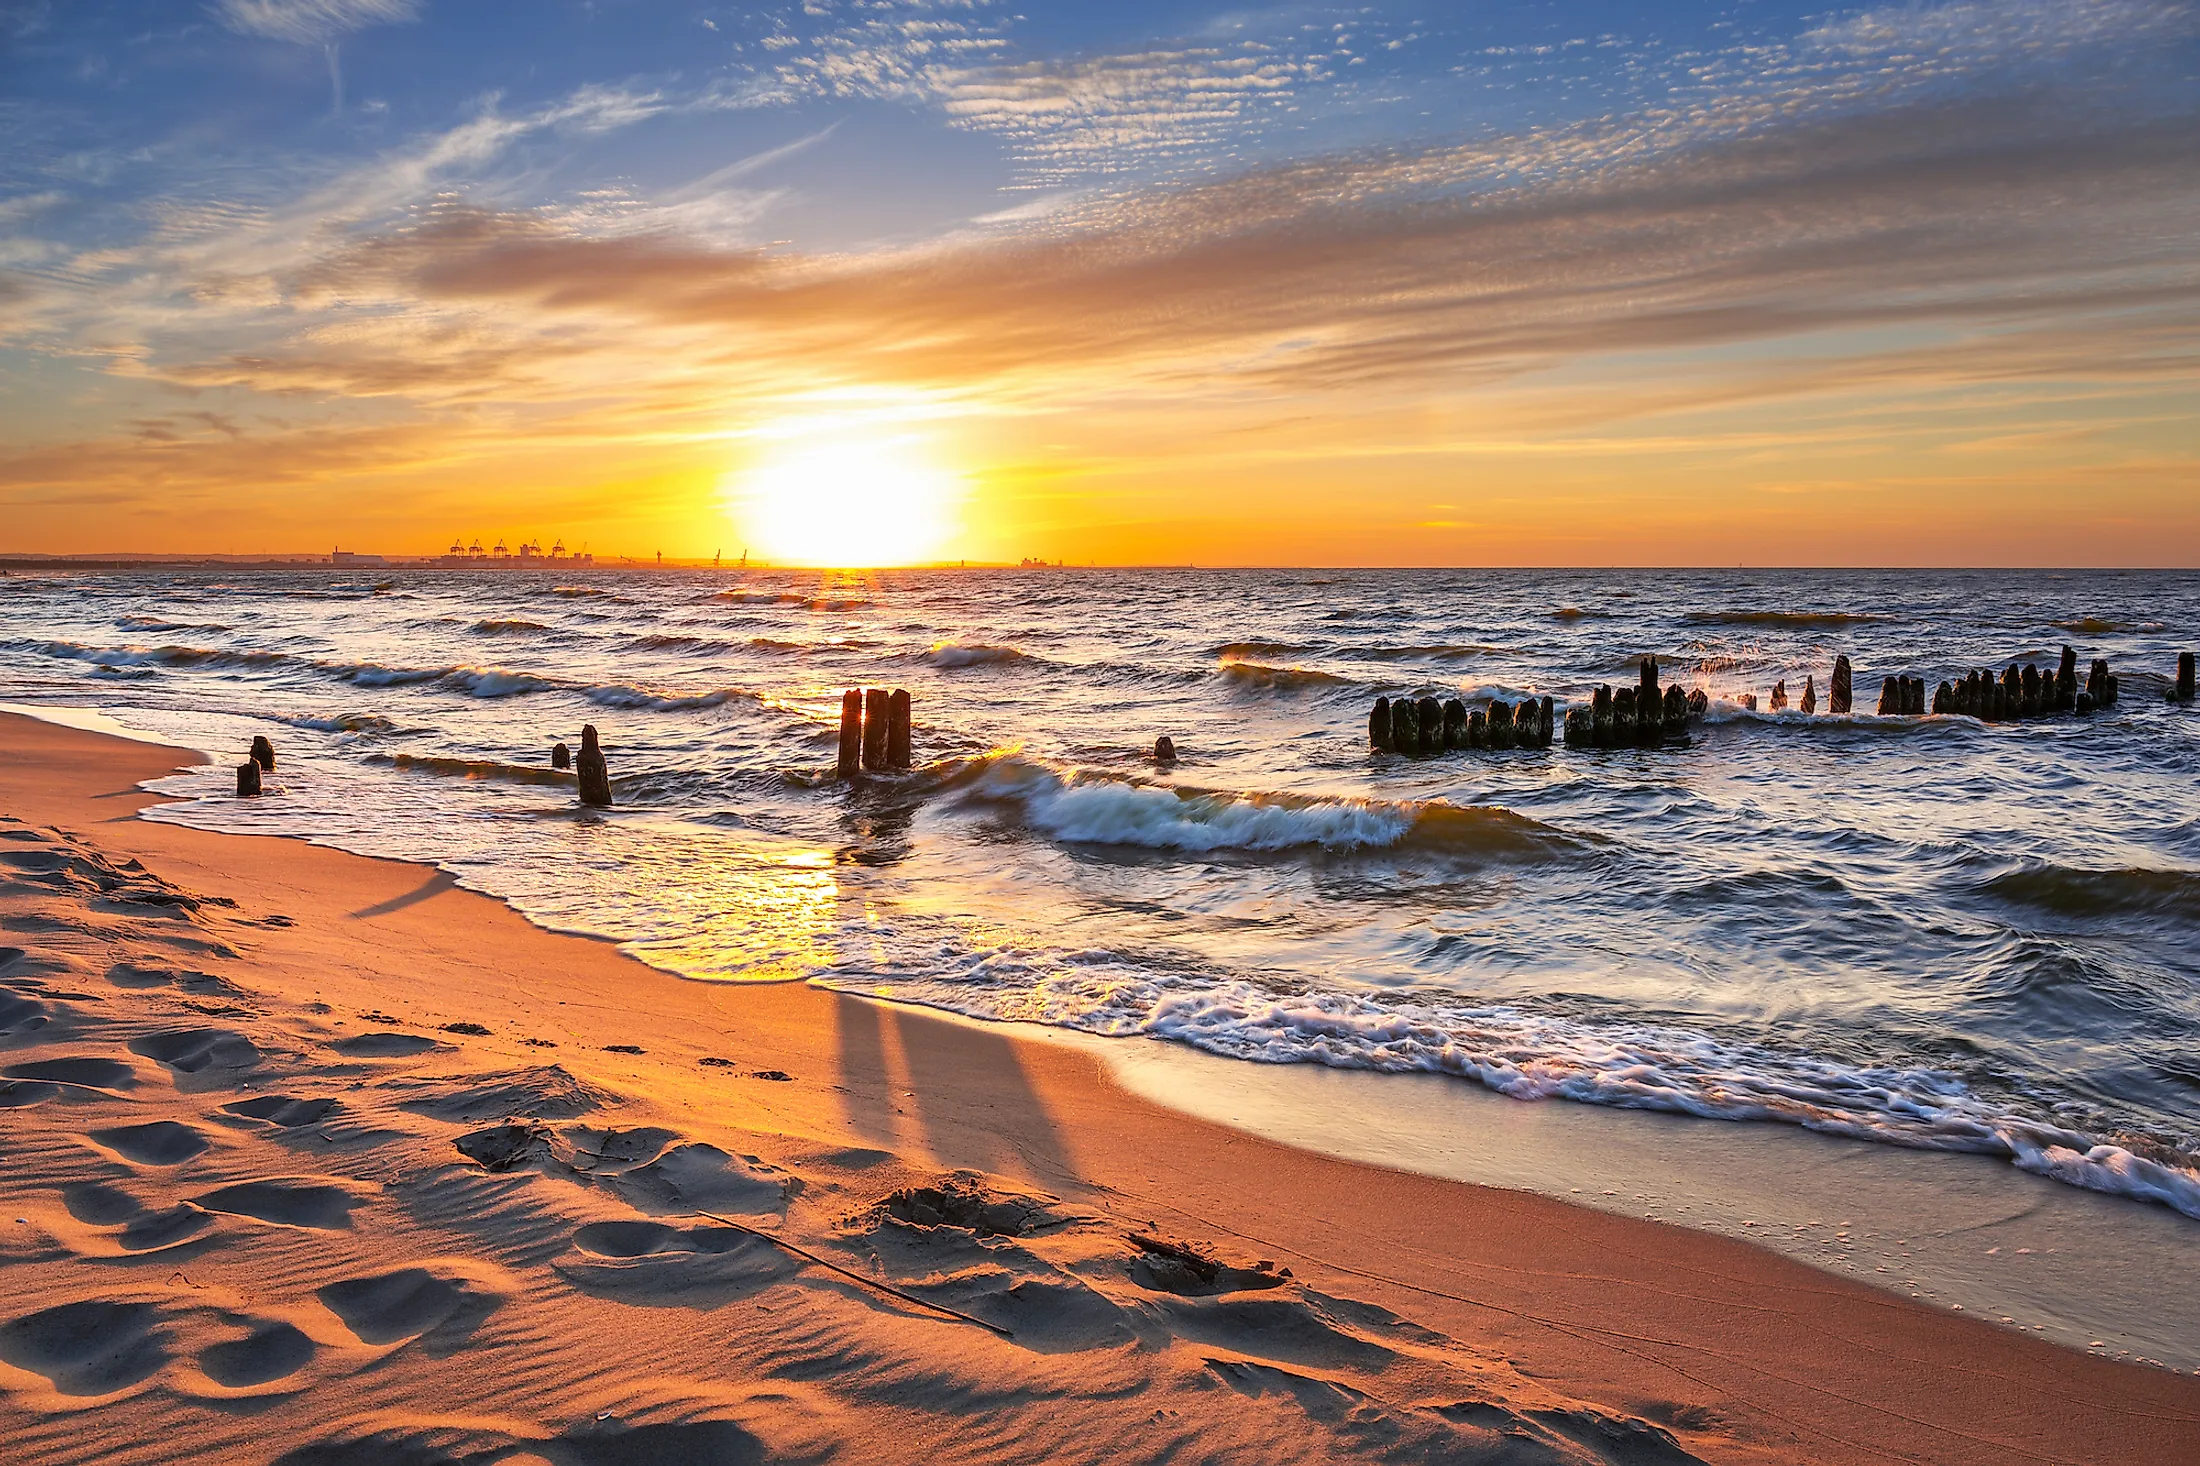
{"x": 1386, "y": 284}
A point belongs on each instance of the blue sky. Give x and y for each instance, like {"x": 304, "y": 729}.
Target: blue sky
{"x": 360, "y": 245}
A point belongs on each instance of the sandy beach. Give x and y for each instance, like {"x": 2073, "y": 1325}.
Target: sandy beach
{"x": 315, "y": 1158}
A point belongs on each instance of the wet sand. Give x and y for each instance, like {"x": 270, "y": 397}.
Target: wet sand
{"x": 276, "y": 1206}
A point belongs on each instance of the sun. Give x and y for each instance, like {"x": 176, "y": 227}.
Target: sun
{"x": 844, "y": 495}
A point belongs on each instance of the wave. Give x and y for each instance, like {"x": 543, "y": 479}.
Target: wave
{"x": 953, "y": 654}
{"x": 489, "y": 681}
{"x": 1279, "y": 679}
{"x": 338, "y": 723}
{"x": 1534, "y": 1056}
{"x": 1083, "y": 808}
{"x": 743, "y": 597}
{"x": 122, "y": 674}
{"x": 1239, "y": 651}
{"x": 1576, "y": 613}
{"x": 158, "y": 623}
{"x": 622, "y": 695}
{"x": 470, "y": 768}
{"x": 2103, "y": 626}
{"x": 666, "y": 641}
{"x": 587, "y": 592}
{"x": 505, "y": 626}
{"x": 2074, "y": 891}
{"x": 1799, "y": 619}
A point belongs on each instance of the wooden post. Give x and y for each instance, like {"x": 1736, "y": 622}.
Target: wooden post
{"x": 1405, "y": 727}
{"x": 1699, "y": 704}
{"x": 875, "y": 703}
{"x": 1378, "y": 727}
{"x": 1810, "y": 694}
{"x": 1455, "y": 725}
{"x": 594, "y": 774}
{"x": 2066, "y": 681}
{"x": 561, "y": 757}
{"x": 1164, "y": 750}
{"x": 1501, "y": 725}
{"x": 1546, "y": 713}
{"x": 897, "y": 729}
{"x": 1840, "y": 696}
{"x": 2184, "y": 689}
{"x": 1623, "y": 716}
{"x": 1675, "y": 720}
{"x": 851, "y": 733}
{"x": 1430, "y": 715}
{"x": 1478, "y": 729}
{"x": 263, "y": 753}
{"x": 1779, "y": 695}
{"x": 1888, "y": 701}
{"x": 1600, "y": 717}
{"x": 248, "y": 779}
{"x": 2028, "y": 690}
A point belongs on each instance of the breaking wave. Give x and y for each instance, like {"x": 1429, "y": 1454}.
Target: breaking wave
{"x": 1239, "y": 651}
{"x": 470, "y": 768}
{"x": 2103, "y": 626}
{"x": 953, "y": 654}
{"x": 623, "y": 695}
{"x": 505, "y": 626}
{"x": 1083, "y": 808}
{"x": 2074, "y": 892}
{"x": 1279, "y": 679}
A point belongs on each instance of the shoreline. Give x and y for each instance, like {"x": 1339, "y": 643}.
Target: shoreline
{"x": 1737, "y": 1352}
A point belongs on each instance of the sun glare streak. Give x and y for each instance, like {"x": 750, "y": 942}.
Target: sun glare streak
{"x": 845, "y": 493}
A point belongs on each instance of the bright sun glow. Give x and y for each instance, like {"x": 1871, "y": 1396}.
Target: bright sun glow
{"x": 846, "y": 495}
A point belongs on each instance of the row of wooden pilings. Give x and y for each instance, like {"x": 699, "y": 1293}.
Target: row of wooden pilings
{"x": 1425, "y": 728}
{"x": 874, "y": 730}
{"x": 1643, "y": 714}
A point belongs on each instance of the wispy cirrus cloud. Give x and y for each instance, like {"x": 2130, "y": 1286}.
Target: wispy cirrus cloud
{"x": 312, "y": 22}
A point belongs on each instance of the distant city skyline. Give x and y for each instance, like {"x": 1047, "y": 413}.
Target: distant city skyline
{"x": 924, "y": 280}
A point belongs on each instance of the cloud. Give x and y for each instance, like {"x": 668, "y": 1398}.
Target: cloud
{"x": 312, "y": 22}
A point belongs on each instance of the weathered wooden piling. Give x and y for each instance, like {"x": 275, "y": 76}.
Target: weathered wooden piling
{"x": 1164, "y": 750}
{"x": 1917, "y": 696}
{"x": 897, "y": 730}
{"x": 1676, "y": 713}
{"x": 1431, "y": 717}
{"x": 1579, "y": 729}
{"x": 561, "y": 757}
{"x": 1405, "y": 727}
{"x": 2183, "y": 691}
{"x": 248, "y": 779}
{"x": 1455, "y": 725}
{"x": 593, "y": 773}
{"x": 2028, "y": 692}
{"x": 1545, "y": 723}
{"x": 1699, "y": 704}
{"x": 1623, "y": 716}
{"x": 1810, "y": 694}
{"x": 263, "y": 753}
{"x": 875, "y": 702}
{"x": 1749, "y": 701}
{"x": 1889, "y": 696}
{"x": 1478, "y": 728}
{"x": 1501, "y": 725}
{"x": 1840, "y": 696}
{"x": 1779, "y": 695}
{"x": 2066, "y": 681}
{"x": 851, "y": 733}
{"x": 1600, "y": 717}
{"x": 1378, "y": 727}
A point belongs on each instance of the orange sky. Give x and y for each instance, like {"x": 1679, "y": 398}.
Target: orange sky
{"x": 1768, "y": 327}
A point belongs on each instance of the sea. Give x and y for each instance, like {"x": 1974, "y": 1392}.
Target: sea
{"x": 1926, "y": 932}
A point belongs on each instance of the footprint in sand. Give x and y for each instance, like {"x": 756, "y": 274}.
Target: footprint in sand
{"x": 89, "y": 1348}
{"x": 195, "y": 1051}
{"x": 184, "y": 979}
{"x": 76, "y": 1072}
{"x": 157, "y": 1143}
{"x": 385, "y": 1046}
{"x": 282, "y": 1110}
{"x": 19, "y": 1014}
{"x": 286, "y": 1203}
{"x": 411, "y": 1303}
{"x": 134, "y": 1228}
{"x": 272, "y": 1351}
